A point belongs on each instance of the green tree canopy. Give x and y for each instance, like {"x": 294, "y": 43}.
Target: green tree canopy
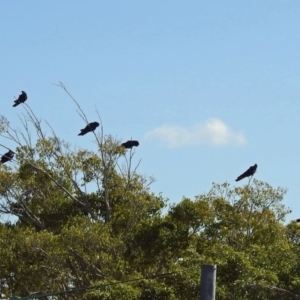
{"x": 87, "y": 218}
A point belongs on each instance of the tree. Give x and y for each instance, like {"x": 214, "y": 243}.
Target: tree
{"x": 87, "y": 220}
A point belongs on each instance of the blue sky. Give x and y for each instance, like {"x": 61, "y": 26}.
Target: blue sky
{"x": 207, "y": 87}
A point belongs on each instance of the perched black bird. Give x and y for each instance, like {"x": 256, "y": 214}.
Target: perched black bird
{"x": 22, "y": 98}
{"x": 248, "y": 173}
{"x": 89, "y": 128}
{"x": 7, "y": 156}
{"x": 130, "y": 144}
{"x": 298, "y": 220}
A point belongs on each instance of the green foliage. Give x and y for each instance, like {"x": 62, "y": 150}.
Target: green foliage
{"x": 87, "y": 218}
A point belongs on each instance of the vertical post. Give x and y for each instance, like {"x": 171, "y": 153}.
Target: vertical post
{"x": 208, "y": 282}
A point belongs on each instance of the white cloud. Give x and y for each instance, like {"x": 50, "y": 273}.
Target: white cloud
{"x": 213, "y": 132}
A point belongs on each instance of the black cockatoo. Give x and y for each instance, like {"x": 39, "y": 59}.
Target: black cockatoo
{"x": 89, "y": 128}
{"x": 22, "y": 98}
{"x": 130, "y": 144}
{"x": 248, "y": 173}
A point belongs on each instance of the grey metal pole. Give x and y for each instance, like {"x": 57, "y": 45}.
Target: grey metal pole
{"x": 208, "y": 282}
